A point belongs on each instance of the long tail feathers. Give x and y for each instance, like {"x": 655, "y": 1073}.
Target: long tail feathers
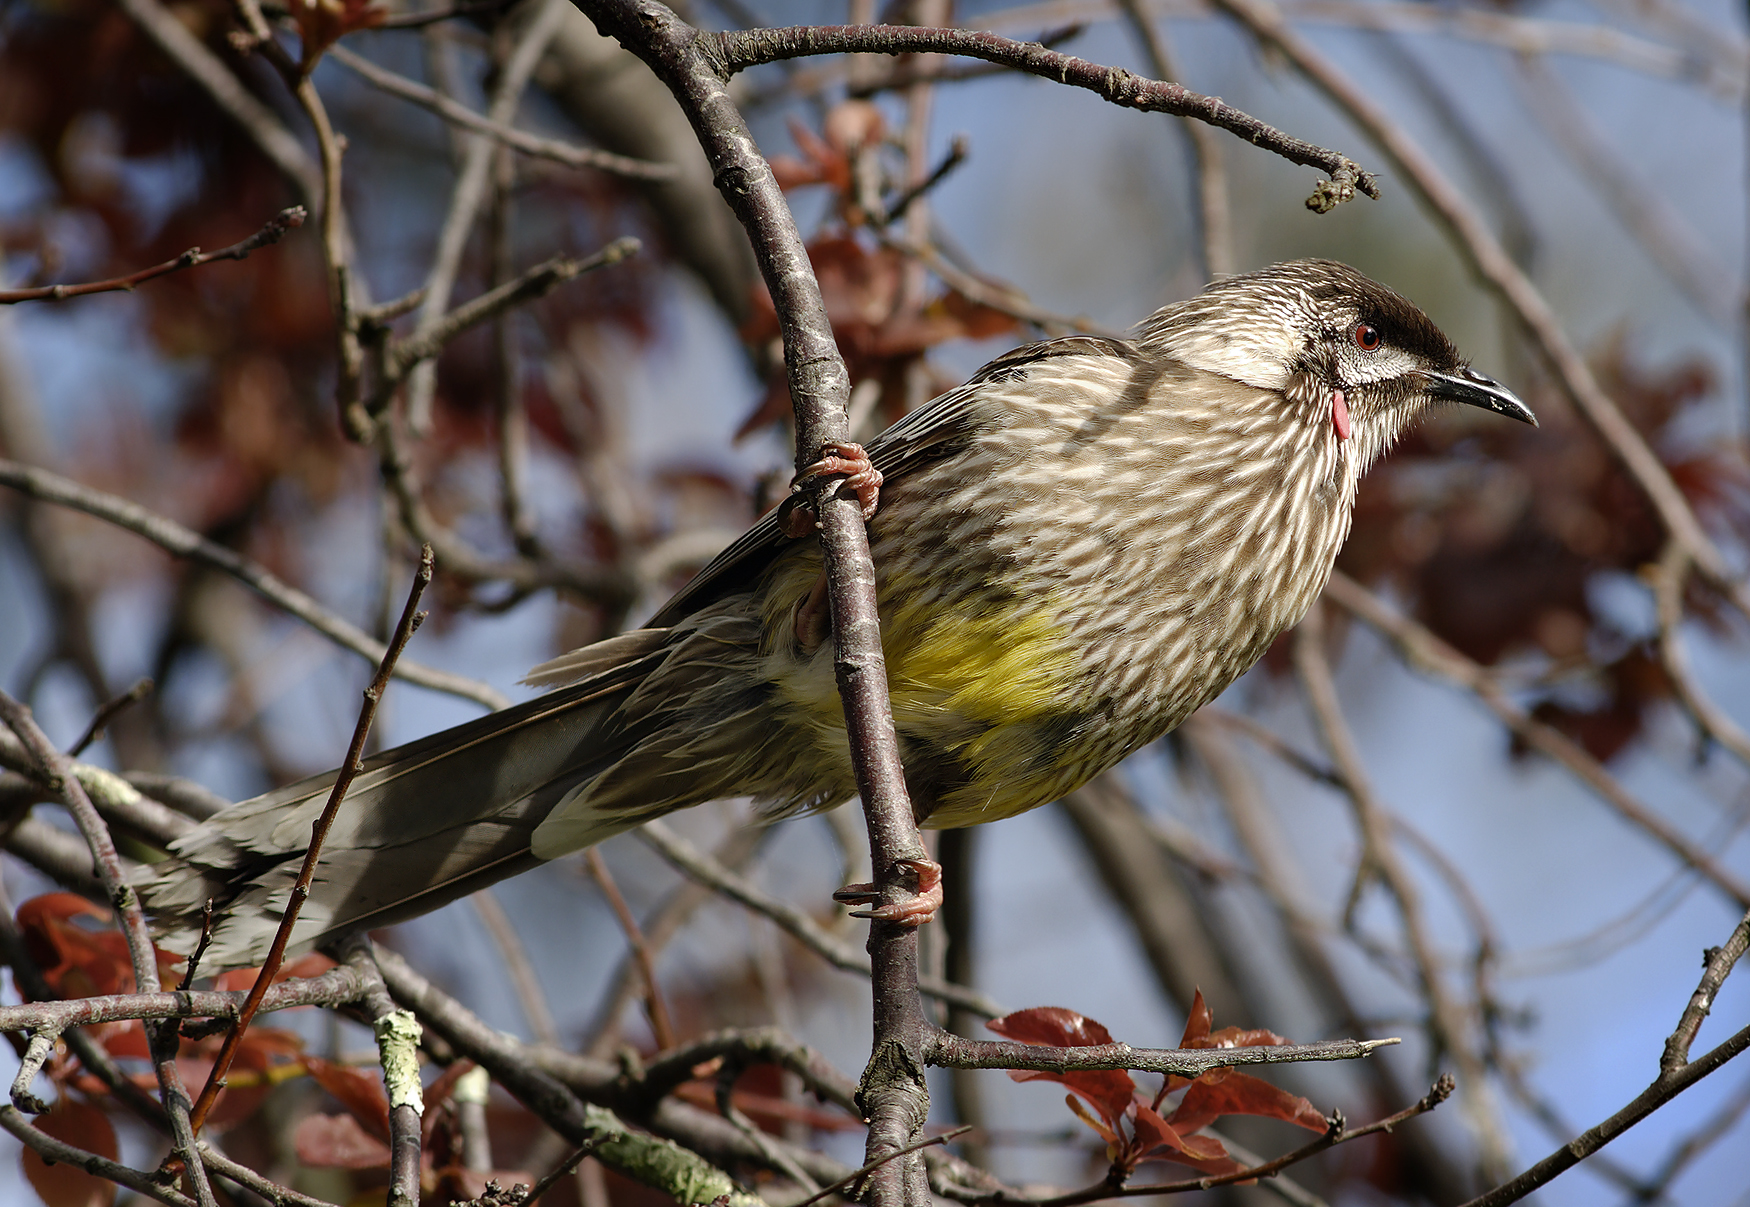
{"x": 422, "y": 825}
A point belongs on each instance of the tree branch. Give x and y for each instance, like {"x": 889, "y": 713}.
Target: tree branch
{"x": 194, "y": 257}
{"x": 174, "y": 538}
{"x": 1675, "y": 1075}
{"x": 557, "y": 150}
{"x": 738, "y": 50}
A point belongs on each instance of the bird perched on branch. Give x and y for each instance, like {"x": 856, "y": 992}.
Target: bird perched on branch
{"x": 1074, "y": 551}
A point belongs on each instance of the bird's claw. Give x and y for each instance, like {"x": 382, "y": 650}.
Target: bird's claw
{"x": 916, "y": 909}
{"x": 837, "y": 457}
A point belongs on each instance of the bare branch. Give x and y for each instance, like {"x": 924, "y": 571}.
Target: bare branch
{"x": 655, "y": 1009}
{"x": 957, "y": 1052}
{"x": 229, "y": 93}
{"x": 1448, "y": 1031}
{"x": 1422, "y": 649}
{"x": 1669, "y": 579}
{"x": 336, "y": 987}
{"x": 57, "y": 773}
{"x": 184, "y": 542}
{"x": 1490, "y": 261}
{"x": 62, "y": 1153}
{"x": 535, "y": 30}
{"x": 557, "y": 150}
{"x": 537, "y": 282}
{"x": 1510, "y": 31}
{"x": 740, "y": 49}
{"x": 1675, "y": 1076}
{"x": 194, "y": 257}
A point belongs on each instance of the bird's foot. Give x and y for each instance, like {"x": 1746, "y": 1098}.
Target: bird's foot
{"x": 837, "y": 457}
{"x": 915, "y": 910}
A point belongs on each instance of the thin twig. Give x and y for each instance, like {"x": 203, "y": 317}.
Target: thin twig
{"x": 657, "y": 1011}
{"x": 737, "y": 50}
{"x": 1004, "y": 299}
{"x": 1676, "y": 1074}
{"x": 57, "y": 774}
{"x": 1424, "y": 650}
{"x": 62, "y": 1153}
{"x": 957, "y": 1052}
{"x": 106, "y": 713}
{"x": 916, "y": 1146}
{"x": 1208, "y": 154}
{"x": 410, "y": 620}
{"x": 275, "y": 1194}
{"x": 1640, "y": 205}
{"x": 1670, "y": 576}
{"x": 1511, "y": 31}
{"x": 1496, "y": 268}
{"x": 517, "y": 965}
{"x": 469, "y": 192}
{"x": 537, "y": 282}
{"x": 1717, "y": 966}
{"x": 231, "y": 95}
{"x": 1447, "y": 1029}
{"x": 551, "y": 1178}
{"x": 180, "y": 541}
{"x": 1336, "y": 1134}
{"x": 194, "y": 257}
{"x": 557, "y": 150}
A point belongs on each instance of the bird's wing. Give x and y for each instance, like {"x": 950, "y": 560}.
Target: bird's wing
{"x": 919, "y": 438}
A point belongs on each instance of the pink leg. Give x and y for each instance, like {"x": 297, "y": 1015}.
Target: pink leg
{"x": 915, "y": 910}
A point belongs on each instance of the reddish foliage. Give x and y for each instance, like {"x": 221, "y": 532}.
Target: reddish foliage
{"x": 322, "y": 23}
{"x": 338, "y": 1142}
{"x": 851, "y": 129}
{"x": 1130, "y": 1122}
{"x": 79, "y": 960}
{"x": 81, "y": 954}
{"x": 83, "y": 1126}
{"x": 879, "y": 333}
{"x": 360, "y": 1091}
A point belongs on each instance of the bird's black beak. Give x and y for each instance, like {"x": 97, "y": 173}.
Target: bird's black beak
{"x": 1468, "y": 386}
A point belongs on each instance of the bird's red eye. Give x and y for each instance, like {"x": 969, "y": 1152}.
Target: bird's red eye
{"x": 1367, "y": 338}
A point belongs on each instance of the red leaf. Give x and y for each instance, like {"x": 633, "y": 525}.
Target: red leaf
{"x": 338, "y": 1142}
{"x": 242, "y": 979}
{"x": 60, "y": 1185}
{"x": 1154, "y": 1132}
{"x": 81, "y": 955}
{"x": 1113, "y": 1139}
{"x": 322, "y": 23}
{"x": 1159, "y": 1140}
{"x": 1198, "y": 1022}
{"x": 1051, "y": 1026}
{"x": 266, "y": 1057}
{"x": 1229, "y": 1092}
{"x": 1109, "y": 1091}
{"x": 358, "y": 1090}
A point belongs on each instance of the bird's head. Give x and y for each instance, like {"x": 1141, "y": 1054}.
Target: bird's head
{"x": 1342, "y": 349}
